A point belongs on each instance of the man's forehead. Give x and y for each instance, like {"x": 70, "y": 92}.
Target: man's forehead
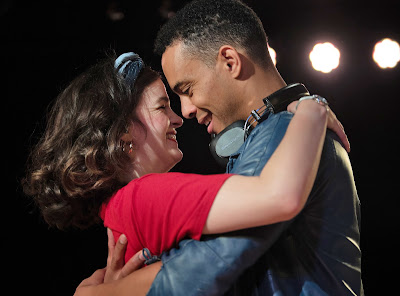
{"x": 175, "y": 65}
{"x": 172, "y": 54}
{"x": 168, "y": 61}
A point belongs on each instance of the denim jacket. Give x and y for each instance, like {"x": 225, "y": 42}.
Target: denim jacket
{"x": 316, "y": 253}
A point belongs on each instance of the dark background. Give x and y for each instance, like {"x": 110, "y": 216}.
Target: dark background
{"x": 48, "y": 43}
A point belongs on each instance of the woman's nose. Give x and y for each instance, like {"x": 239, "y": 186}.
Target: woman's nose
{"x": 176, "y": 120}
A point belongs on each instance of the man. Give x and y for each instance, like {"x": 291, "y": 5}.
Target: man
{"x": 215, "y": 57}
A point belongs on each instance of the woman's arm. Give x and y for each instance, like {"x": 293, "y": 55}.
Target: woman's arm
{"x": 135, "y": 284}
{"x": 281, "y": 190}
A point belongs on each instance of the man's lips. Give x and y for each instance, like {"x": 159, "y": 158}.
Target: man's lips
{"x": 208, "y": 122}
{"x": 210, "y": 127}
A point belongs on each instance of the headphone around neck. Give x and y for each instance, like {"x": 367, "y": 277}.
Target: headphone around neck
{"x": 233, "y": 136}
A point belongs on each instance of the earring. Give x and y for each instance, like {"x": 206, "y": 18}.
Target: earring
{"x": 130, "y": 147}
{"x": 130, "y": 144}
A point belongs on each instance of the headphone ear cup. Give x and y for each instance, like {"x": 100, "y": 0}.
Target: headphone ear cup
{"x": 228, "y": 142}
{"x": 221, "y": 161}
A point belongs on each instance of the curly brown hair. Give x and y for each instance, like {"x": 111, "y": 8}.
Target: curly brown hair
{"x": 78, "y": 163}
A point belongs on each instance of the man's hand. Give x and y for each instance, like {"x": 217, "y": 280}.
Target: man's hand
{"x": 333, "y": 124}
{"x": 116, "y": 268}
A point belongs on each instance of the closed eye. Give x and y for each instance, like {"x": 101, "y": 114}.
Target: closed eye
{"x": 183, "y": 88}
{"x": 164, "y": 103}
{"x": 188, "y": 91}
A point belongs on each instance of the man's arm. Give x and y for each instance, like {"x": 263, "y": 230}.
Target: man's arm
{"x": 211, "y": 266}
{"x": 222, "y": 267}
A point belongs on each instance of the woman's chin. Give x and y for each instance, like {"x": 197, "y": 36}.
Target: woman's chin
{"x": 176, "y": 159}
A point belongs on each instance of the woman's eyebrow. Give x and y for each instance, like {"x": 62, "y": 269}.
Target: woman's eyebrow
{"x": 163, "y": 99}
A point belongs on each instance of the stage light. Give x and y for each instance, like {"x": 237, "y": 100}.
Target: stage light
{"x": 386, "y": 53}
{"x": 325, "y": 57}
{"x": 114, "y": 11}
{"x": 272, "y": 53}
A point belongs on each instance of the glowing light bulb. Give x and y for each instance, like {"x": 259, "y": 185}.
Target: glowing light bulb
{"x": 325, "y": 57}
{"x": 386, "y": 53}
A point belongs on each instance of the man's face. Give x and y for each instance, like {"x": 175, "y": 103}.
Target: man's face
{"x": 205, "y": 92}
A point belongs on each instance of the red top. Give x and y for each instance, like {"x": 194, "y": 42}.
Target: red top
{"x": 157, "y": 211}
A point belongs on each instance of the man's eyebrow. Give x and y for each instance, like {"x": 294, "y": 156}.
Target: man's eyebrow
{"x": 178, "y": 86}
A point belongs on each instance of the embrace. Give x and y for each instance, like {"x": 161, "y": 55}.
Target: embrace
{"x": 283, "y": 220}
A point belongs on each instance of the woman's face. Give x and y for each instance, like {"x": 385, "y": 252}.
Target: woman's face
{"x": 155, "y": 148}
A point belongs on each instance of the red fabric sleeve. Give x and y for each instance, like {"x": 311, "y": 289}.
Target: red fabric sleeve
{"x": 159, "y": 210}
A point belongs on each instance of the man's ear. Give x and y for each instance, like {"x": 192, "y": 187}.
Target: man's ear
{"x": 229, "y": 60}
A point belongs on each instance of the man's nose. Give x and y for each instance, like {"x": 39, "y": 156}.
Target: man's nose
{"x": 188, "y": 109}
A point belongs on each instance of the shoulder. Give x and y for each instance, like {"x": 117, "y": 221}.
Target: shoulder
{"x": 275, "y": 124}
{"x": 139, "y": 197}
{"x": 165, "y": 187}
{"x": 334, "y": 157}
{"x": 260, "y": 145}
{"x": 172, "y": 179}
{"x": 158, "y": 190}
{"x": 153, "y": 182}
{"x": 269, "y": 132}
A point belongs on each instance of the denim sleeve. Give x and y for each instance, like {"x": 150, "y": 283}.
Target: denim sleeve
{"x": 211, "y": 266}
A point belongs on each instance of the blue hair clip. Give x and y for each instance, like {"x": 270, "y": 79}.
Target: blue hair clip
{"x": 129, "y": 65}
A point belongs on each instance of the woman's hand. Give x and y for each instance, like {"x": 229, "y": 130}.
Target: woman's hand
{"x": 116, "y": 268}
{"x": 333, "y": 124}
{"x": 95, "y": 279}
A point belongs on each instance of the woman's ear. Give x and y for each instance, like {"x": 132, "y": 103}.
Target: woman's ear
{"x": 126, "y": 136}
{"x": 229, "y": 60}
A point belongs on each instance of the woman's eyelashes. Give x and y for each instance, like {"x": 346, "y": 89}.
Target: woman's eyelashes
{"x": 164, "y": 106}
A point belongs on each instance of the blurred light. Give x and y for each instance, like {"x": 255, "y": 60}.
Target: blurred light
{"x": 114, "y": 12}
{"x": 325, "y": 57}
{"x": 272, "y": 53}
{"x": 386, "y": 53}
{"x": 165, "y": 9}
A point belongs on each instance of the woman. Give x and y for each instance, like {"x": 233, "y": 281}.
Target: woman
{"x": 111, "y": 138}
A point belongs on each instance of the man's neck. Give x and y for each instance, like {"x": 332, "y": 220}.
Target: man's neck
{"x": 260, "y": 86}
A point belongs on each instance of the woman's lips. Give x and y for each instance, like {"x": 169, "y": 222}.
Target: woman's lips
{"x": 171, "y": 137}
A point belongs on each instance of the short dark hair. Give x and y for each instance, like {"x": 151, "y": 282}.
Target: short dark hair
{"x": 78, "y": 163}
{"x": 205, "y": 25}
